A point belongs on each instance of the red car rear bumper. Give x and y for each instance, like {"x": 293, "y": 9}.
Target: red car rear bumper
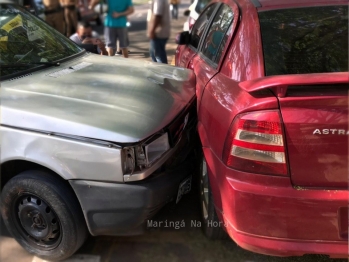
{"x": 288, "y": 247}
{"x": 266, "y": 214}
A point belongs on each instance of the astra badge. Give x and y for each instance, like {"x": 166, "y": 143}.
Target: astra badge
{"x": 330, "y": 132}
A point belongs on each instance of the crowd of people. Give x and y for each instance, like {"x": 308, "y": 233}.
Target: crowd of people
{"x": 63, "y": 16}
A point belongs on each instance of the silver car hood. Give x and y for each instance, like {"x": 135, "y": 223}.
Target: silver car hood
{"x": 107, "y": 98}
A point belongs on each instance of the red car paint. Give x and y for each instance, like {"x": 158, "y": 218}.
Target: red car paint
{"x": 302, "y": 209}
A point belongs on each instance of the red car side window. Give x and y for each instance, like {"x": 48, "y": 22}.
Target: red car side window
{"x": 200, "y": 25}
{"x": 216, "y": 38}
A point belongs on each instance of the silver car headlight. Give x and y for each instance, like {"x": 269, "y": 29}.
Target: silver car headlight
{"x": 143, "y": 156}
{"x": 155, "y": 149}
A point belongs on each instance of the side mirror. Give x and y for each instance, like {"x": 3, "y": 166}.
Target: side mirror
{"x": 183, "y": 38}
{"x": 186, "y": 12}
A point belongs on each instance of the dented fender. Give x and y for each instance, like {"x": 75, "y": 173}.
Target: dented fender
{"x": 70, "y": 158}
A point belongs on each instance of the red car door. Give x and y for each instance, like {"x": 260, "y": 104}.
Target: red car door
{"x": 214, "y": 46}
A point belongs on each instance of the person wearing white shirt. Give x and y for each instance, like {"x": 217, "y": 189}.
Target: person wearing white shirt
{"x": 158, "y": 29}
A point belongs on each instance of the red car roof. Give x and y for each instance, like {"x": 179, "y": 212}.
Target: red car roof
{"x": 279, "y": 4}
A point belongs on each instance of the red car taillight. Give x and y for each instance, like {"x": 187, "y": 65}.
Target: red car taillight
{"x": 191, "y": 22}
{"x": 255, "y": 144}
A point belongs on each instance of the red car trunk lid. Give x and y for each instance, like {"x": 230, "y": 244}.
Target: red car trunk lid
{"x": 314, "y": 111}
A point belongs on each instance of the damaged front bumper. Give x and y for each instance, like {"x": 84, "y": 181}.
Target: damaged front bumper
{"x": 124, "y": 208}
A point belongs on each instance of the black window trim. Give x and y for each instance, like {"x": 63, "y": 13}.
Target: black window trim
{"x": 207, "y": 26}
{"x": 238, "y": 20}
{"x": 215, "y": 63}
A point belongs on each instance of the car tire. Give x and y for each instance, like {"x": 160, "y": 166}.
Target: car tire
{"x": 43, "y": 214}
{"x": 212, "y": 227}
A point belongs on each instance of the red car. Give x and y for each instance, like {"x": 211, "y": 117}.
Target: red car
{"x": 272, "y": 92}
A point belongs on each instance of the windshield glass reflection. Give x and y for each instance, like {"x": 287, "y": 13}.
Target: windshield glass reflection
{"x": 25, "y": 39}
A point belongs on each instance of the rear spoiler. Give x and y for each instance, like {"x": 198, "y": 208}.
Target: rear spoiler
{"x": 279, "y": 84}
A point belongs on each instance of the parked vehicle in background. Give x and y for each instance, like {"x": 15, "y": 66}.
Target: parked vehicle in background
{"x": 272, "y": 92}
{"x": 193, "y": 13}
{"x": 89, "y": 143}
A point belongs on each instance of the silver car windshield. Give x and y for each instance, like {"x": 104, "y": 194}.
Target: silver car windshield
{"x": 27, "y": 42}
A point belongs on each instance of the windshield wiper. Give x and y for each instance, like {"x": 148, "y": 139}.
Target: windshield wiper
{"x": 16, "y": 65}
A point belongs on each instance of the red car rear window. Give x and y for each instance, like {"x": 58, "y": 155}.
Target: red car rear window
{"x": 305, "y": 40}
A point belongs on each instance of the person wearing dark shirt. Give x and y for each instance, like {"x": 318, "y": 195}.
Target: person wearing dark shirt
{"x": 54, "y": 15}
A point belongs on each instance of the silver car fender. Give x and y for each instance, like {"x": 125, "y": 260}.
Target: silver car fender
{"x": 70, "y": 158}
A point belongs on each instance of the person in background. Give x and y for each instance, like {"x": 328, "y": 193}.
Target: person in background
{"x": 115, "y": 24}
{"x": 70, "y": 15}
{"x": 85, "y": 35}
{"x": 118, "y": 50}
{"x": 158, "y": 29}
{"x": 174, "y": 4}
{"x": 54, "y": 15}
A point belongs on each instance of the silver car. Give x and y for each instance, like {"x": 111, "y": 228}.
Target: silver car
{"x": 89, "y": 143}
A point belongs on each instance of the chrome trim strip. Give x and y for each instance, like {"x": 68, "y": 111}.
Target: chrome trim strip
{"x": 147, "y": 172}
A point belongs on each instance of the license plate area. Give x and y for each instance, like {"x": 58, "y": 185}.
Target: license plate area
{"x": 184, "y": 188}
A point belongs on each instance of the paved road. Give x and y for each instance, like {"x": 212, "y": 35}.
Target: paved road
{"x": 179, "y": 238}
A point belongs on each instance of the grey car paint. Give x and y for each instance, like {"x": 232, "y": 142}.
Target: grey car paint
{"x": 107, "y": 98}
{"x": 70, "y": 158}
{"x": 102, "y": 98}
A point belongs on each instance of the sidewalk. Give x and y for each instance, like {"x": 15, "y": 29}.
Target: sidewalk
{"x": 139, "y": 46}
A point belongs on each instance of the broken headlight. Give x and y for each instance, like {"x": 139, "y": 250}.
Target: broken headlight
{"x": 143, "y": 156}
{"x": 155, "y": 149}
